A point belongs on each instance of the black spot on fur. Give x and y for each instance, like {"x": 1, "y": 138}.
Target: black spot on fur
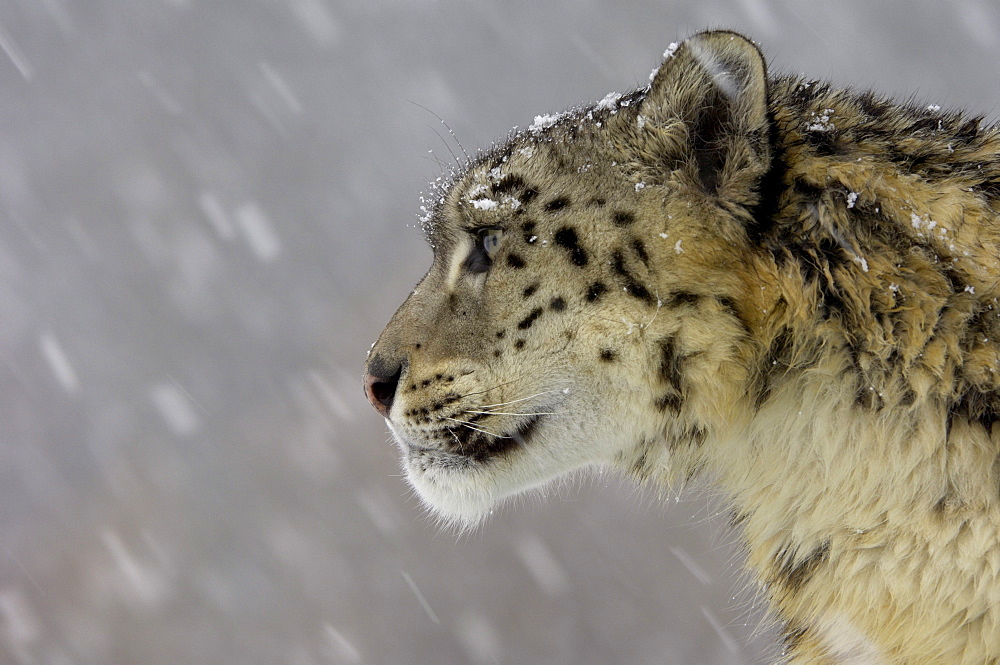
{"x": 501, "y": 334}
{"x": 566, "y": 238}
{"x": 608, "y": 355}
{"x": 990, "y": 188}
{"x": 957, "y": 283}
{"x": 670, "y": 373}
{"x": 598, "y": 202}
{"x": 869, "y": 398}
{"x": 528, "y": 195}
{"x": 693, "y": 436}
{"x": 640, "y": 250}
{"x": 557, "y": 304}
{"x": 737, "y": 519}
{"x": 622, "y": 218}
{"x": 825, "y": 143}
{"x": 595, "y": 291}
{"x": 508, "y": 184}
{"x": 528, "y": 233}
{"x": 793, "y": 573}
{"x": 729, "y": 306}
{"x": 908, "y": 398}
{"x": 727, "y": 303}
{"x": 629, "y": 283}
{"x": 670, "y": 402}
{"x": 527, "y": 321}
{"x": 807, "y": 191}
{"x": 774, "y": 365}
{"x": 515, "y": 261}
{"x": 874, "y": 106}
{"x": 556, "y": 204}
{"x": 982, "y": 408}
{"x": 969, "y": 131}
{"x": 792, "y": 637}
{"x": 519, "y": 344}
{"x": 530, "y": 290}
{"x": 682, "y": 298}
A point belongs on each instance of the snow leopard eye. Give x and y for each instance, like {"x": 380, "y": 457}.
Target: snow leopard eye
{"x": 487, "y": 243}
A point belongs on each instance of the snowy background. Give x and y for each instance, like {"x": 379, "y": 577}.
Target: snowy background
{"x": 207, "y": 214}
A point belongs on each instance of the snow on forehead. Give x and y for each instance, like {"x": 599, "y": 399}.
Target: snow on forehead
{"x": 489, "y": 166}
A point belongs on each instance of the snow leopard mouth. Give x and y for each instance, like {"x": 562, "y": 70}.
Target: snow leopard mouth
{"x": 471, "y": 445}
{"x": 482, "y": 446}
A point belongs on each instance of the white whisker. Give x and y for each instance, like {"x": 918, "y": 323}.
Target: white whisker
{"x": 472, "y": 427}
{"x": 507, "y": 413}
{"x": 515, "y": 401}
{"x": 501, "y": 385}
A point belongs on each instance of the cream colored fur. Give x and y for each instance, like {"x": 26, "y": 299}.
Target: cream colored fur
{"x": 787, "y": 288}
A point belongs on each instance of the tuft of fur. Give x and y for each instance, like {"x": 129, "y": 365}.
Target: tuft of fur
{"x": 786, "y": 287}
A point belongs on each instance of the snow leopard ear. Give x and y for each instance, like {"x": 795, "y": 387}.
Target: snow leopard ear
{"x": 706, "y": 115}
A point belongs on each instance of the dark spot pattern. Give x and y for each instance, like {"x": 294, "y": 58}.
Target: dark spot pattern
{"x": 869, "y": 398}
{"x": 557, "y": 304}
{"x": 622, "y": 218}
{"x": 519, "y": 344}
{"x": 515, "y": 261}
{"x": 629, "y": 283}
{"x": 528, "y": 195}
{"x": 556, "y": 204}
{"x": 978, "y": 408}
{"x": 682, "y": 299}
{"x": 595, "y": 291}
{"x": 774, "y": 366}
{"x": 566, "y": 238}
{"x": 529, "y": 320}
{"x": 528, "y": 233}
{"x": 670, "y": 374}
{"x": 509, "y": 183}
{"x": 792, "y": 637}
{"x": 825, "y": 143}
{"x": 530, "y": 290}
{"x": 608, "y": 355}
{"x": 640, "y": 250}
{"x": 794, "y": 573}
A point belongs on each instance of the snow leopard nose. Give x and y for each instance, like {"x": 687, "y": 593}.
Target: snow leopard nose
{"x": 381, "y": 381}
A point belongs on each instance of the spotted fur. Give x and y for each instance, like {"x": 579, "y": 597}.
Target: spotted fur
{"x": 785, "y": 286}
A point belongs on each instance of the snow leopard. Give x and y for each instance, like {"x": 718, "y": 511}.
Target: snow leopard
{"x": 782, "y": 287}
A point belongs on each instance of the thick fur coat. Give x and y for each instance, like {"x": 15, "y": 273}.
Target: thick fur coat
{"x": 786, "y": 288}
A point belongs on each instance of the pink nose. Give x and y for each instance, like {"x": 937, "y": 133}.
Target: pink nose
{"x": 381, "y": 381}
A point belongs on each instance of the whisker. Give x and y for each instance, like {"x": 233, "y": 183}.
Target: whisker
{"x": 499, "y": 385}
{"x": 468, "y": 160}
{"x": 515, "y": 401}
{"x": 472, "y": 427}
{"x": 506, "y": 413}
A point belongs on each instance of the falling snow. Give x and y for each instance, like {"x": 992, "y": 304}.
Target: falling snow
{"x": 258, "y": 232}
{"x": 58, "y": 362}
{"x": 206, "y": 217}
{"x": 175, "y": 408}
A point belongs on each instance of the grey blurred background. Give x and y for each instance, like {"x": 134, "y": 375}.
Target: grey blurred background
{"x": 207, "y": 213}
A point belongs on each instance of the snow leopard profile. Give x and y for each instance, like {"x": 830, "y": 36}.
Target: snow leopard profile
{"x": 784, "y": 287}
